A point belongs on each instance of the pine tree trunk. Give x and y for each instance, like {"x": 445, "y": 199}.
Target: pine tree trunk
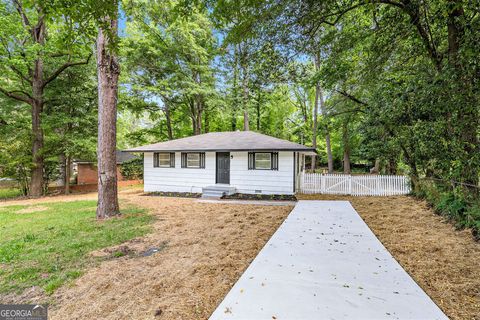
{"x": 327, "y": 134}
{"x": 246, "y": 94}
{"x": 329, "y": 152}
{"x": 316, "y": 61}
{"x": 246, "y": 119}
{"x": 68, "y": 171}
{"x": 199, "y": 115}
{"x": 108, "y": 70}
{"x": 206, "y": 123}
{"x": 61, "y": 165}
{"x": 234, "y": 106}
{"x": 169, "y": 121}
{"x": 346, "y": 149}
{"x": 259, "y": 102}
{"x": 246, "y": 127}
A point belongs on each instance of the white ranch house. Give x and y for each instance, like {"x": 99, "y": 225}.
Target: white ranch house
{"x": 219, "y": 163}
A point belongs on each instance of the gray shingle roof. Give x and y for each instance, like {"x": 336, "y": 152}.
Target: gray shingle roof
{"x": 224, "y": 141}
{"x": 121, "y": 156}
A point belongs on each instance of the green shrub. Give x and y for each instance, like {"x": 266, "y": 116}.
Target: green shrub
{"x": 133, "y": 169}
{"x": 458, "y": 205}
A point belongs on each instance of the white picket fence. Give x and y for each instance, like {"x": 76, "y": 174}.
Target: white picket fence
{"x": 357, "y": 185}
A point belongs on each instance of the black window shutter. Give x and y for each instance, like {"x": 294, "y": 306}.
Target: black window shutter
{"x": 251, "y": 160}
{"x": 202, "y": 160}
{"x": 172, "y": 159}
{"x": 155, "y": 159}
{"x": 184, "y": 160}
{"x": 274, "y": 161}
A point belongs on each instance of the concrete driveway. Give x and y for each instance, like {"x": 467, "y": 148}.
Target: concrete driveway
{"x": 325, "y": 263}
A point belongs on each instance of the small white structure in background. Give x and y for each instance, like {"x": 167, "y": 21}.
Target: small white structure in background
{"x": 219, "y": 163}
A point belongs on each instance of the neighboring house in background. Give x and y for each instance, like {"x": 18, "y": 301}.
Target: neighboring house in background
{"x": 219, "y": 163}
{"x": 87, "y": 172}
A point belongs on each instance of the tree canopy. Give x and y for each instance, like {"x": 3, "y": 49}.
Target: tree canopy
{"x": 387, "y": 85}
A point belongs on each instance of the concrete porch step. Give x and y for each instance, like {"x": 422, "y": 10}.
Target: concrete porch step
{"x": 217, "y": 191}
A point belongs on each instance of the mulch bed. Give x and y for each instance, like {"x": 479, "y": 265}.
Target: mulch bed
{"x": 444, "y": 261}
{"x": 244, "y": 196}
{"x": 174, "y": 194}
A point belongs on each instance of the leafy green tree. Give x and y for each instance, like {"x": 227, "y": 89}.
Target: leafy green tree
{"x": 70, "y": 120}
{"x": 169, "y": 58}
{"x": 33, "y": 56}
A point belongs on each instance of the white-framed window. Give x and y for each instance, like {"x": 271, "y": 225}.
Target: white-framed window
{"x": 164, "y": 160}
{"x": 193, "y": 160}
{"x": 263, "y": 160}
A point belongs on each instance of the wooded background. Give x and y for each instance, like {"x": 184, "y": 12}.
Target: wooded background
{"x": 391, "y": 85}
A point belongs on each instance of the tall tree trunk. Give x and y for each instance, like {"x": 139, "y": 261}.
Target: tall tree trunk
{"x": 246, "y": 120}
{"x": 392, "y": 166}
{"x": 346, "y": 149}
{"x": 198, "y": 115}
{"x": 68, "y": 171}
{"x": 36, "y": 182}
{"x": 259, "y": 102}
{"x": 233, "y": 119}
{"x": 234, "y": 106}
{"x": 327, "y": 134}
{"x": 108, "y": 70}
{"x": 329, "y": 152}
{"x": 316, "y": 62}
{"x": 61, "y": 167}
{"x": 246, "y": 127}
{"x": 376, "y": 168}
{"x": 245, "y": 83}
{"x": 206, "y": 126}
{"x": 315, "y": 125}
{"x": 168, "y": 120}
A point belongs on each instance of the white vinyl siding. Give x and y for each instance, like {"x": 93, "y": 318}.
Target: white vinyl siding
{"x": 267, "y": 181}
{"x": 180, "y": 179}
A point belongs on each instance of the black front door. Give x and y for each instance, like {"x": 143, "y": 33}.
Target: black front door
{"x": 223, "y": 167}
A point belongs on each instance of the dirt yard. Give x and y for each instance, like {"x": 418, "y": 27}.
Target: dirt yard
{"x": 443, "y": 261}
{"x": 203, "y": 250}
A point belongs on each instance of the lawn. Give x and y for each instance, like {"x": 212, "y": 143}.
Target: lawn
{"x": 8, "y": 193}
{"x": 46, "y": 244}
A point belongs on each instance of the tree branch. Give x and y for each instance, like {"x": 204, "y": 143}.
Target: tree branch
{"x": 353, "y": 98}
{"x": 54, "y": 75}
{"x": 20, "y": 74}
{"x": 13, "y": 94}
{"x": 18, "y": 6}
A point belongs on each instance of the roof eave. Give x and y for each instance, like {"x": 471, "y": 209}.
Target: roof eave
{"x": 221, "y": 150}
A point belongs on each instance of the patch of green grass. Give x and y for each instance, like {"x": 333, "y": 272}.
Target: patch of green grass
{"x": 7, "y": 193}
{"x": 50, "y": 247}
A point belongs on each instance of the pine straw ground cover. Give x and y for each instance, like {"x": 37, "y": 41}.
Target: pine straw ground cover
{"x": 443, "y": 261}
{"x": 203, "y": 250}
